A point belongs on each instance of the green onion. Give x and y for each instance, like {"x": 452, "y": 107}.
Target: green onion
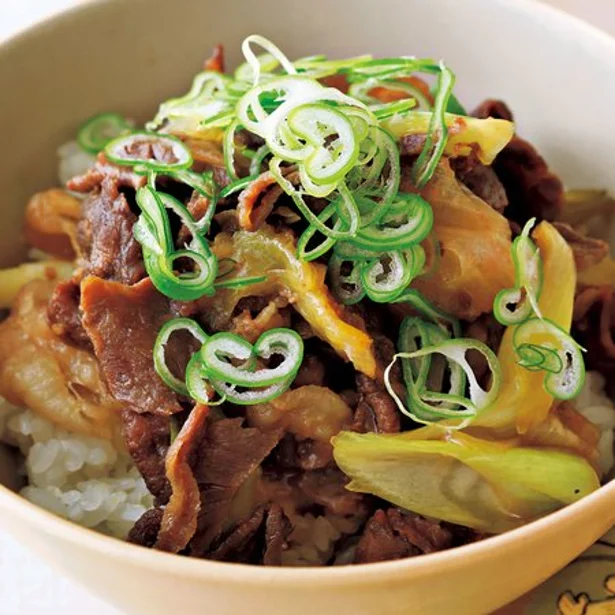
{"x": 385, "y": 277}
{"x": 437, "y": 134}
{"x": 308, "y": 255}
{"x": 160, "y": 364}
{"x": 219, "y": 349}
{"x": 152, "y": 231}
{"x": 427, "y": 406}
{"x": 99, "y": 130}
{"x": 237, "y": 186}
{"x": 118, "y": 151}
{"x": 409, "y": 221}
{"x": 229, "y": 149}
{"x": 428, "y": 310}
{"x": 241, "y": 282}
{"x": 258, "y": 160}
{"x": 536, "y": 341}
{"x": 513, "y": 306}
{"x": 347, "y": 288}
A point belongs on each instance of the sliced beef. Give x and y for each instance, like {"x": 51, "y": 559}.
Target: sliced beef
{"x": 145, "y": 530}
{"x": 259, "y": 539}
{"x": 105, "y": 235}
{"x": 63, "y": 314}
{"x": 122, "y": 322}
{"x": 394, "y": 534}
{"x": 593, "y": 323}
{"x": 277, "y": 530}
{"x": 147, "y": 438}
{"x": 482, "y": 180}
{"x": 179, "y": 521}
{"x": 328, "y": 489}
{"x": 240, "y": 543}
{"x": 532, "y": 189}
{"x": 587, "y": 251}
{"x": 227, "y": 456}
{"x": 376, "y": 410}
{"x": 124, "y": 177}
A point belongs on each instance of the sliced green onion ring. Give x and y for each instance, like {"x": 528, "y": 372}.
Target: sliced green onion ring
{"x": 99, "y": 130}
{"x": 386, "y": 277}
{"x": 512, "y": 306}
{"x": 543, "y": 335}
{"x": 160, "y": 363}
{"x": 117, "y": 151}
{"x": 283, "y": 342}
{"x": 400, "y": 227}
{"x": 347, "y": 288}
{"x": 427, "y": 406}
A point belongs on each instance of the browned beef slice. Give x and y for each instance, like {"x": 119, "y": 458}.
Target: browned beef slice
{"x": 63, "y": 314}
{"x": 277, "y": 529}
{"x": 395, "y": 534}
{"x": 147, "y": 438}
{"x": 179, "y": 521}
{"x": 228, "y": 454}
{"x": 122, "y": 323}
{"x": 482, "y": 180}
{"x": 376, "y": 410}
{"x": 105, "y": 236}
{"x": 259, "y": 539}
{"x": 380, "y": 543}
{"x": 240, "y": 544}
{"x": 145, "y": 530}
{"x": 532, "y": 189}
{"x": 93, "y": 178}
{"x": 328, "y": 489}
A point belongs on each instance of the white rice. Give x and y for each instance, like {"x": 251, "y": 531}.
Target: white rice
{"x": 596, "y": 407}
{"x": 80, "y": 478}
{"x": 313, "y": 539}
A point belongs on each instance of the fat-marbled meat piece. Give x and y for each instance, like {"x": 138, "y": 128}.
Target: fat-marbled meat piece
{"x": 122, "y": 322}
{"x": 105, "y": 235}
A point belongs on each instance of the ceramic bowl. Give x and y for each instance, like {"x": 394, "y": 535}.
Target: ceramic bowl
{"x": 554, "y": 71}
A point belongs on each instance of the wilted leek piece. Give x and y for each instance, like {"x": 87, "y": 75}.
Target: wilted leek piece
{"x": 523, "y": 402}
{"x": 465, "y": 134}
{"x": 489, "y": 486}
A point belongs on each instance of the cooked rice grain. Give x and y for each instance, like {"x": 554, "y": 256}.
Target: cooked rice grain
{"x": 79, "y": 478}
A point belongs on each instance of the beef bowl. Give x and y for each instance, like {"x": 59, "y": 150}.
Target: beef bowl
{"x": 331, "y": 332}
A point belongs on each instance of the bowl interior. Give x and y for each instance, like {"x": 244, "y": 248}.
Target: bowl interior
{"x": 128, "y": 56}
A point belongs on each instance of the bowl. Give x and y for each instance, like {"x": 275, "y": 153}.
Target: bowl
{"x": 127, "y": 56}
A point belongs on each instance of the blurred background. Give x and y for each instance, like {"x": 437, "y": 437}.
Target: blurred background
{"x": 27, "y": 585}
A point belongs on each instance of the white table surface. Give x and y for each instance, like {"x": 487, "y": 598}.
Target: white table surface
{"x": 28, "y": 585}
